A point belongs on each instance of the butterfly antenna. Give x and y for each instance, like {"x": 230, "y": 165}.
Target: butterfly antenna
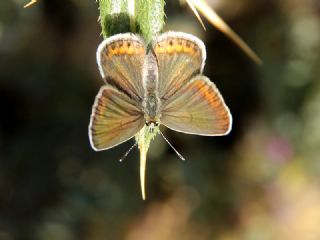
{"x": 127, "y": 152}
{"x": 179, "y": 155}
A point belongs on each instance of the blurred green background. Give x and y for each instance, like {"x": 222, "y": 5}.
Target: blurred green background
{"x": 260, "y": 182}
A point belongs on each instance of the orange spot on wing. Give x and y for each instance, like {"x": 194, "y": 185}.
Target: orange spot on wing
{"x": 122, "y": 50}
{"x": 178, "y": 48}
{"x": 159, "y": 49}
{"x": 139, "y": 50}
{"x": 169, "y": 49}
{"x": 130, "y": 51}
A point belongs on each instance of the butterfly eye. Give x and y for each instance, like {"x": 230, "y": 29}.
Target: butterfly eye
{"x": 152, "y": 124}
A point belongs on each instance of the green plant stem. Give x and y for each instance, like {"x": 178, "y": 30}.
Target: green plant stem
{"x": 145, "y": 17}
{"x": 150, "y": 17}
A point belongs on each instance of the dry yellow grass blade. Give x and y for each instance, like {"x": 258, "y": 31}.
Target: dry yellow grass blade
{"x": 194, "y": 10}
{"x": 215, "y": 20}
{"x": 30, "y": 3}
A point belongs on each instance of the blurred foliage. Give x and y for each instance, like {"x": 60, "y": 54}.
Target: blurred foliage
{"x": 260, "y": 182}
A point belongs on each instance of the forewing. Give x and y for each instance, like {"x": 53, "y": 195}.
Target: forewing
{"x": 180, "y": 56}
{"x": 197, "y": 108}
{"x": 120, "y": 59}
{"x": 114, "y": 119}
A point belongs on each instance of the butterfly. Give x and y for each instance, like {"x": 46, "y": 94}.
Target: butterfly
{"x": 149, "y": 85}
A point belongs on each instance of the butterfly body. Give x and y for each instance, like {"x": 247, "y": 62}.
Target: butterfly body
{"x": 151, "y": 103}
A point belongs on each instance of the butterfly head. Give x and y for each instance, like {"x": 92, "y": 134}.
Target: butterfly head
{"x": 152, "y": 125}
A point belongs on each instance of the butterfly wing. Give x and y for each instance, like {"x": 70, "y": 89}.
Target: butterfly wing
{"x": 180, "y": 56}
{"x": 120, "y": 59}
{"x": 197, "y": 108}
{"x": 115, "y": 118}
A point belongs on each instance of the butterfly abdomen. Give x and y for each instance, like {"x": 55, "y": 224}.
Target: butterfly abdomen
{"x": 151, "y": 102}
